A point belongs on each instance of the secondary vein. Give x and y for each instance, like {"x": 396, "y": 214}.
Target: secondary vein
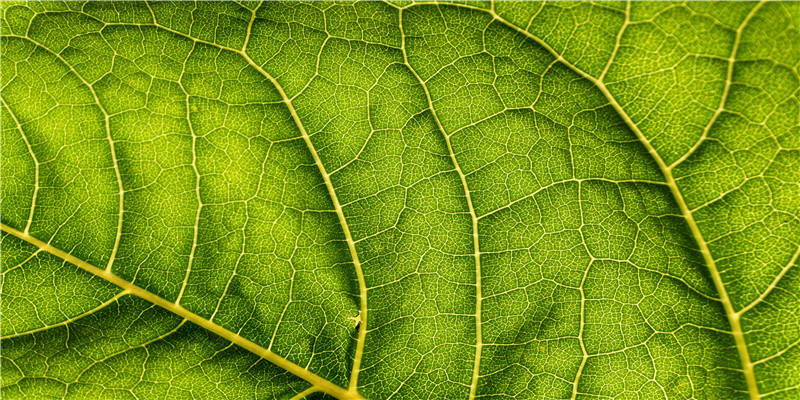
{"x": 35, "y": 164}
{"x": 107, "y": 123}
{"x": 325, "y": 175}
{"x": 731, "y": 314}
{"x": 362, "y": 286}
{"x": 476, "y": 243}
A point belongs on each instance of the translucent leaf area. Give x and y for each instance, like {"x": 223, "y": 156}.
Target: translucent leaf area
{"x": 400, "y": 200}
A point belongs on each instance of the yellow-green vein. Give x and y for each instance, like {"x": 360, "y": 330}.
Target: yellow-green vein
{"x": 312, "y": 378}
{"x": 473, "y": 388}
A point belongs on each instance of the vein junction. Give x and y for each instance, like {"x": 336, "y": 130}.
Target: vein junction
{"x": 499, "y": 197}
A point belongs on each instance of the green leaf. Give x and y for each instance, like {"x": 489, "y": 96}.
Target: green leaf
{"x": 400, "y": 200}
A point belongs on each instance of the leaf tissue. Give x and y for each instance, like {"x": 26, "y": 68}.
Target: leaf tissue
{"x": 400, "y": 200}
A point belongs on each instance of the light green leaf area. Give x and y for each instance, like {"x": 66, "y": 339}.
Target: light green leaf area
{"x": 505, "y": 200}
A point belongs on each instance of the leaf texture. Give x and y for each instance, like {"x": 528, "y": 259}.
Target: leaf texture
{"x": 512, "y": 200}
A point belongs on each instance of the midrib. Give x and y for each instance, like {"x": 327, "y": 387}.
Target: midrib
{"x": 129, "y": 288}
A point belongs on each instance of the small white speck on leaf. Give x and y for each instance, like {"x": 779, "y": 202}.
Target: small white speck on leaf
{"x": 356, "y": 320}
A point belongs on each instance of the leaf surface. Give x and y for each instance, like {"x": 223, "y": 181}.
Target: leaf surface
{"x": 400, "y": 200}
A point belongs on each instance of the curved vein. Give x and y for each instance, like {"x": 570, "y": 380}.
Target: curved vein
{"x": 107, "y": 123}
{"x": 196, "y": 227}
{"x": 473, "y": 216}
{"x": 731, "y": 314}
{"x": 728, "y": 80}
{"x": 68, "y": 320}
{"x": 35, "y": 164}
{"x": 334, "y": 199}
{"x": 351, "y": 245}
{"x": 325, "y": 175}
{"x": 305, "y": 393}
{"x": 773, "y": 284}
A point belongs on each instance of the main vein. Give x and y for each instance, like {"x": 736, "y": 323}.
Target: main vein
{"x": 316, "y": 380}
